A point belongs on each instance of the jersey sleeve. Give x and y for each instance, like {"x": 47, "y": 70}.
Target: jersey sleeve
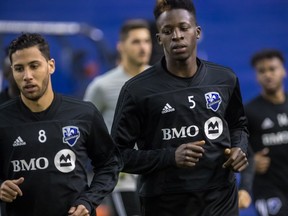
{"x": 126, "y": 131}
{"x": 237, "y": 120}
{"x": 106, "y": 162}
{"x": 247, "y": 175}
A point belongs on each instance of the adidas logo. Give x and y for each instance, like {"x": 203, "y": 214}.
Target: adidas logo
{"x": 19, "y": 142}
{"x": 167, "y": 108}
{"x": 267, "y": 124}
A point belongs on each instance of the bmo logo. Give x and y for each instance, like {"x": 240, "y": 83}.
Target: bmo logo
{"x": 33, "y": 164}
{"x": 65, "y": 160}
{"x": 183, "y": 132}
{"x": 213, "y": 128}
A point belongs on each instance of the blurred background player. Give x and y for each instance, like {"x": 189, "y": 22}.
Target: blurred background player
{"x": 268, "y": 125}
{"x": 134, "y": 48}
{"x": 11, "y": 90}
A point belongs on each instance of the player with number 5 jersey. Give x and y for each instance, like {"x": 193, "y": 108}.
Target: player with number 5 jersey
{"x": 184, "y": 113}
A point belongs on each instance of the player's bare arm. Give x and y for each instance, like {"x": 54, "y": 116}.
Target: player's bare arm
{"x": 10, "y": 189}
{"x": 188, "y": 154}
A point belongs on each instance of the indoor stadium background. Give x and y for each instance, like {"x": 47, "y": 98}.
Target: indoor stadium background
{"x": 83, "y": 35}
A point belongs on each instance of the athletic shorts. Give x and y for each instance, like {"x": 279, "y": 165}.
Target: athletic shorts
{"x": 214, "y": 202}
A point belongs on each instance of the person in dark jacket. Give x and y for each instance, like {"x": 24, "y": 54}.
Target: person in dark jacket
{"x": 267, "y": 116}
{"x": 46, "y": 141}
{"x": 187, "y": 118}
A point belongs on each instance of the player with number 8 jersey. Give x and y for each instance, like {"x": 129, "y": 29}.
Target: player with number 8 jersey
{"x": 47, "y": 141}
{"x": 51, "y": 150}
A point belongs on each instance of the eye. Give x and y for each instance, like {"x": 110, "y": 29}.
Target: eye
{"x": 184, "y": 27}
{"x": 18, "y": 68}
{"x": 166, "y": 31}
{"x": 272, "y": 69}
{"x": 136, "y": 41}
{"x": 261, "y": 70}
{"x": 34, "y": 66}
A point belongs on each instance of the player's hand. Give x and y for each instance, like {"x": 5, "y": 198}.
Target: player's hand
{"x": 262, "y": 161}
{"x": 237, "y": 160}
{"x": 79, "y": 210}
{"x": 187, "y": 155}
{"x": 244, "y": 199}
{"x": 9, "y": 189}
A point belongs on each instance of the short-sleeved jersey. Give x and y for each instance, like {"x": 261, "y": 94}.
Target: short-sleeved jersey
{"x": 160, "y": 111}
{"x": 50, "y": 150}
{"x": 268, "y": 126}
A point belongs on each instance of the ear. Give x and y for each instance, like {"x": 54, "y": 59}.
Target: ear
{"x": 284, "y": 72}
{"x": 158, "y": 39}
{"x": 51, "y": 65}
{"x": 198, "y": 32}
{"x": 119, "y": 46}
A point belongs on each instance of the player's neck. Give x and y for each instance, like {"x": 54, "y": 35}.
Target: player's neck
{"x": 183, "y": 69}
{"x": 277, "y": 97}
{"x": 133, "y": 69}
{"x": 41, "y": 104}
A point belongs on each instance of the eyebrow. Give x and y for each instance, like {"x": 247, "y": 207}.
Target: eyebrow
{"x": 32, "y": 62}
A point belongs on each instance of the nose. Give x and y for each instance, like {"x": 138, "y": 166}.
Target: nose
{"x": 27, "y": 74}
{"x": 177, "y": 35}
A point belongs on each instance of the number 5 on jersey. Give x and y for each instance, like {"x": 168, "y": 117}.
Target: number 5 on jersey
{"x": 192, "y": 102}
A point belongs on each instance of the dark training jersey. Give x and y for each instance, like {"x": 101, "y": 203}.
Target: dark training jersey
{"x": 268, "y": 124}
{"x": 50, "y": 150}
{"x": 160, "y": 111}
{"x": 4, "y": 96}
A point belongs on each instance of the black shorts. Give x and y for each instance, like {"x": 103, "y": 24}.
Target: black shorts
{"x": 214, "y": 202}
{"x": 271, "y": 201}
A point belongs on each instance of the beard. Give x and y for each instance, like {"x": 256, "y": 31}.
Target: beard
{"x": 36, "y": 95}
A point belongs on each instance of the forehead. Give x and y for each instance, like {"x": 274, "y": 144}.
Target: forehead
{"x": 174, "y": 17}
{"x": 266, "y": 62}
{"x": 27, "y": 55}
{"x": 138, "y": 33}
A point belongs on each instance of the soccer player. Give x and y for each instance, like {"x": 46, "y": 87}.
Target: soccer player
{"x": 11, "y": 90}
{"x": 267, "y": 117}
{"x": 46, "y": 140}
{"x": 187, "y": 118}
{"x": 134, "y": 47}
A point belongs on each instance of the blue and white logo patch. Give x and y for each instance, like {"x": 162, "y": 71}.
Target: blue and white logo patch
{"x": 70, "y": 135}
{"x": 274, "y": 205}
{"x": 213, "y": 100}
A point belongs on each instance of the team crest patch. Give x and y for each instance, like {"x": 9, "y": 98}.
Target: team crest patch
{"x": 213, "y": 100}
{"x": 70, "y": 135}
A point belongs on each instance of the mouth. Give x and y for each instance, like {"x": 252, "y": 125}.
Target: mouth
{"x": 30, "y": 88}
{"x": 179, "y": 48}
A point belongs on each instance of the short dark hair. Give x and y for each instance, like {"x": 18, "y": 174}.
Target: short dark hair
{"x": 167, "y": 5}
{"x": 132, "y": 24}
{"x": 266, "y": 54}
{"x": 27, "y": 40}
